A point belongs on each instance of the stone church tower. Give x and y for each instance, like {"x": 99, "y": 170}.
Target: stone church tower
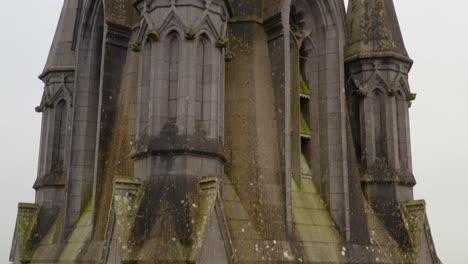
{"x": 225, "y": 131}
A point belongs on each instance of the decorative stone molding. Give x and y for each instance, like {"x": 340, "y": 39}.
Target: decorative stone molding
{"x": 153, "y": 36}
{"x": 178, "y": 144}
{"x": 135, "y": 47}
{"x": 411, "y": 97}
{"x": 49, "y": 104}
{"x": 393, "y": 90}
{"x": 414, "y": 217}
{"x": 362, "y": 91}
{"x": 190, "y": 33}
{"x": 222, "y": 43}
{"x": 59, "y": 84}
{"x": 208, "y": 191}
{"x": 127, "y": 197}
{"x": 118, "y": 35}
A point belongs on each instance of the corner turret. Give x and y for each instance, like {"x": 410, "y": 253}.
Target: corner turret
{"x": 58, "y": 77}
{"x": 378, "y": 93}
{"x": 35, "y": 221}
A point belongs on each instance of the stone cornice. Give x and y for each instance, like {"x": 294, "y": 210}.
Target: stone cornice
{"x": 118, "y": 35}
{"x": 61, "y": 69}
{"x": 378, "y": 55}
{"x": 227, "y": 2}
{"x": 178, "y": 145}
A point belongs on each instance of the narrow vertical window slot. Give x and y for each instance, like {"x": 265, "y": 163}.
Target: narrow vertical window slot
{"x": 203, "y": 85}
{"x": 59, "y": 137}
{"x": 144, "y": 92}
{"x": 379, "y": 124}
{"x": 173, "y": 76}
{"x": 402, "y": 106}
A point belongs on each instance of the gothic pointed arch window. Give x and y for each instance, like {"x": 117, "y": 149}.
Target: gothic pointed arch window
{"x": 59, "y": 135}
{"x": 403, "y": 137}
{"x": 203, "y": 85}
{"x": 172, "y": 59}
{"x": 144, "y": 90}
{"x": 379, "y": 120}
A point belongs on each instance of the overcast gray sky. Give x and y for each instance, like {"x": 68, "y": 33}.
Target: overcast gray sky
{"x": 436, "y": 36}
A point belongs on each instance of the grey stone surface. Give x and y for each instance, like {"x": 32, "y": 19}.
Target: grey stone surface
{"x": 172, "y": 132}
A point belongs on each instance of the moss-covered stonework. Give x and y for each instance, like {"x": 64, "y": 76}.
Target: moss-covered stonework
{"x": 304, "y": 89}
{"x": 25, "y": 230}
{"x": 414, "y": 214}
{"x": 314, "y": 226}
{"x": 304, "y": 128}
{"x": 127, "y": 198}
{"x": 374, "y": 31}
{"x": 222, "y": 132}
{"x": 175, "y": 241}
{"x": 79, "y": 238}
{"x": 120, "y": 12}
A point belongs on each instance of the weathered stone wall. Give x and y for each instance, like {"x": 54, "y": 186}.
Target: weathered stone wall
{"x": 222, "y": 132}
{"x": 252, "y": 145}
{"x": 80, "y": 176}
